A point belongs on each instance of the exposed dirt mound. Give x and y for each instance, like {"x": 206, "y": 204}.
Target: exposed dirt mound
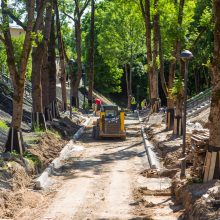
{"x": 48, "y": 148}
{"x": 159, "y": 173}
{"x": 190, "y": 195}
{"x": 15, "y": 175}
{"x": 13, "y": 191}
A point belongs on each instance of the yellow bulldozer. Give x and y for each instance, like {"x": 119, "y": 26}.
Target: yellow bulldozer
{"x": 110, "y": 123}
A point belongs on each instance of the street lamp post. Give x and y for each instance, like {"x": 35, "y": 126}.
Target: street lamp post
{"x": 70, "y": 72}
{"x": 84, "y": 85}
{"x": 138, "y": 93}
{"x": 186, "y": 55}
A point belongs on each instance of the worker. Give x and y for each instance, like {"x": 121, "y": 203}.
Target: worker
{"x": 98, "y": 104}
{"x": 133, "y": 103}
{"x": 144, "y": 104}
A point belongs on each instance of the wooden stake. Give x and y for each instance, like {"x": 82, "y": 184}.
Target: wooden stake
{"x": 212, "y": 166}
{"x": 207, "y": 166}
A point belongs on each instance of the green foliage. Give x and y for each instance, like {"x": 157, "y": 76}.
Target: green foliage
{"x": 15, "y": 154}
{"x": 18, "y": 47}
{"x": 35, "y": 159}
{"x": 3, "y": 126}
{"x": 3, "y": 56}
{"x": 177, "y": 88}
{"x": 119, "y": 30}
{"x": 38, "y": 129}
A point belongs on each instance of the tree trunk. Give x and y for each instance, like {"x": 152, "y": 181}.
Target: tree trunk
{"x": 52, "y": 72}
{"x": 38, "y": 120}
{"x": 78, "y": 60}
{"x": 172, "y": 69}
{"x": 178, "y": 128}
{"x": 62, "y": 58}
{"x": 154, "y": 72}
{"x": 14, "y": 140}
{"x": 91, "y": 55}
{"x": 45, "y": 87}
{"x": 213, "y": 153}
{"x": 38, "y": 55}
{"x": 152, "y": 58}
{"x": 161, "y": 57}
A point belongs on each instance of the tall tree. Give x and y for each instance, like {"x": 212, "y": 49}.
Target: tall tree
{"x": 62, "y": 58}
{"x": 17, "y": 73}
{"x": 152, "y": 50}
{"x": 80, "y": 7}
{"x": 171, "y": 77}
{"x": 38, "y": 55}
{"x": 91, "y": 54}
{"x": 51, "y": 68}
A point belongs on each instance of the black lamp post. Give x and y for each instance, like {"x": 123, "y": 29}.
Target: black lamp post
{"x": 186, "y": 55}
{"x": 138, "y": 93}
{"x": 71, "y": 73}
{"x": 84, "y": 85}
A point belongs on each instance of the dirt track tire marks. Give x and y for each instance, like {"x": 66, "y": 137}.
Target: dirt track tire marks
{"x": 98, "y": 182}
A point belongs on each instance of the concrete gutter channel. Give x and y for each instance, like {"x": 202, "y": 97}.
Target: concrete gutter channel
{"x": 43, "y": 181}
{"x": 150, "y": 149}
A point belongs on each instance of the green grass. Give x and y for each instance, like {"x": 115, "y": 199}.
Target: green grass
{"x": 3, "y": 126}
{"x": 54, "y": 132}
{"x": 35, "y": 159}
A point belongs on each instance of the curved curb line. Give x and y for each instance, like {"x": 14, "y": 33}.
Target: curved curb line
{"x": 43, "y": 180}
{"x": 150, "y": 149}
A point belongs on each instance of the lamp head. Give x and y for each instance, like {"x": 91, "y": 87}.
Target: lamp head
{"x": 186, "y": 55}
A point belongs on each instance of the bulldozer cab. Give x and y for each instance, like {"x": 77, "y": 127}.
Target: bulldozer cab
{"x": 111, "y": 111}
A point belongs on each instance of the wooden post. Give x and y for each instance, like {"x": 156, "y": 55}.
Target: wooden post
{"x": 210, "y": 165}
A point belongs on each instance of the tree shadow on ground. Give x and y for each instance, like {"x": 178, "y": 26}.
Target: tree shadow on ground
{"x": 97, "y": 164}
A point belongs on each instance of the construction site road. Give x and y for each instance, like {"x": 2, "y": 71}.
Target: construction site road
{"x": 98, "y": 181}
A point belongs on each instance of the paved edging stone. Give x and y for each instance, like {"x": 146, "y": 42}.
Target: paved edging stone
{"x": 42, "y": 181}
{"x": 150, "y": 149}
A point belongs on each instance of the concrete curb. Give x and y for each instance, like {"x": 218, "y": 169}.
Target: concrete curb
{"x": 150, "y": 149}
{"x": 43, "y": 180}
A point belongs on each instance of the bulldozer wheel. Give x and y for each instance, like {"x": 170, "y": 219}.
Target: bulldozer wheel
{"x": 97, "y": 133}
{"x": 94, "y": 131}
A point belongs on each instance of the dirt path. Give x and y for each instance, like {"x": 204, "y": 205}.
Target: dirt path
{"x": 99, "y": 182}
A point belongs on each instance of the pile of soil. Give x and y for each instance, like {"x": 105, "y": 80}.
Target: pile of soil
{"x": 190, "y": 195}
{"x": 47, "y": 149}
{"x": 14, "y": 180}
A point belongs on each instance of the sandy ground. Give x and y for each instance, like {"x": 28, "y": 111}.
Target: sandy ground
{"x": 103, "y": 181}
